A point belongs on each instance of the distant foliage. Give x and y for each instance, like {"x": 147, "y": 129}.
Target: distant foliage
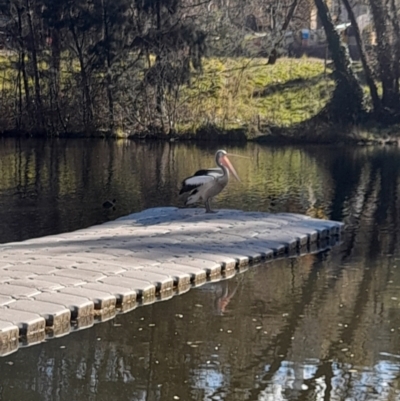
{"x": 384, "y": 35}
{"x": 83, "y": 65}
{"x": 129, "y": 65}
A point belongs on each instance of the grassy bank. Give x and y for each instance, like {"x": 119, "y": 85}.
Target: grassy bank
{"x": 232, "y": 94}
{"x": 252, "y": 95}
{"x": 247, "y": 99}
{"x": 230, "y": 99}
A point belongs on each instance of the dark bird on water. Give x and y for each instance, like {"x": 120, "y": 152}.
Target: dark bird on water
{"x": 109, "y": 204}
{"x": 207, "y": 183}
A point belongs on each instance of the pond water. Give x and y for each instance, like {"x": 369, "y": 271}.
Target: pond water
{"x": 319, "y": 327}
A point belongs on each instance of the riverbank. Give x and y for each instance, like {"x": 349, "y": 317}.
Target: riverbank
{"x": 236, "y": 100}
{"x": 306, "y": 133}
{"x": 228, "y": 95}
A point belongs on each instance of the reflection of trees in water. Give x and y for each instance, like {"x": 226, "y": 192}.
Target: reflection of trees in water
{"x": 366, "y": 186}
{"x": 297, "y": 353}
{"x": 368, "y": 205}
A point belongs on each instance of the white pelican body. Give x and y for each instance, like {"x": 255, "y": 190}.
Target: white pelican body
{"x": 205, "y": 184}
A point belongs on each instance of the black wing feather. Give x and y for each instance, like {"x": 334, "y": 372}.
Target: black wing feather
{"x": 188, "y": 188}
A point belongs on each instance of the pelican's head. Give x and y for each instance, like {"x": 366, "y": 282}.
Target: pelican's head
{"x": 219, "y": 155}
{"x": 221, "y": 158}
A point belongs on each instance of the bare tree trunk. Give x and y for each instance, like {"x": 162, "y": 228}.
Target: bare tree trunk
{"x": 160, "y": 101}
{"x": 390, "y": 97}
{"x": 18, "y": 114}
{"x": 396, "y": 28}
{"x": 106, "y": 38}
{"x": 369, "y": 77}
{"x": 56, "y": 64}
{"x": 55, "y": 75}
{"x": 38, "y": 98}
{"x": 87, "y": 102}
{"x": 22, "y": 66}
{"x": 274, "y": 53}
{"x": 56, "y": 60}
{"x": 346, "y": 104}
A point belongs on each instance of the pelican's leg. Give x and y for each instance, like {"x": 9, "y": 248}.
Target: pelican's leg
{"x": 208, "y": 206}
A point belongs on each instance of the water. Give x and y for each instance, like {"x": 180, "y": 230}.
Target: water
{"x": 319, "y": 327}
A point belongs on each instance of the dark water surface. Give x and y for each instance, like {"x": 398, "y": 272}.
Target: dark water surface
{"x": 319, "y": 327}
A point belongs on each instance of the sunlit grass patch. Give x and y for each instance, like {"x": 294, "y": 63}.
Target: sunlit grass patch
{"x": 235, "y": 92}
{"x": 229, "y": 93}
{"x": 8, "y": 72}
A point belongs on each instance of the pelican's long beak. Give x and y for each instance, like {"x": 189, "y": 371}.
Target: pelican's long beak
{"x": 235, "y": 155}
{"x": 229, "y": 166}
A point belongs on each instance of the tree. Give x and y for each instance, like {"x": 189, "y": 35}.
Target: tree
{"x": 385, "y": 54}
{"x": 53, "y": 15}
{"x": 166, "y": 31}
{"x": 346, "y": 103}
{"x": 274, "y": 52}
{"x": 388, "y": 39}
{"x": 369, "y": 76}
{"x": 115, "y": 36}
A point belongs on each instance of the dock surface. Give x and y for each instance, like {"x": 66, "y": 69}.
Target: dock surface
{"x": 53, "y": 285}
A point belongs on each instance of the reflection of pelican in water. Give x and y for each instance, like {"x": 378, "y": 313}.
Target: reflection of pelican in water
{"x": 224, "y": 296}
{"x": 315, "y": 209}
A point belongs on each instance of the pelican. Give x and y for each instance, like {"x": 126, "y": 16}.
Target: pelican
{"x": 205, "y": 184}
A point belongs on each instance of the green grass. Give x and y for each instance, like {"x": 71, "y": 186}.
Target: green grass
{"x": 240, "y": 92}
{"x": 231, "y": 93}
{"x": 8, "y": 73}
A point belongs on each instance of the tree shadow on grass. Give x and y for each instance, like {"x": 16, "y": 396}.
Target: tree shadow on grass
{"x": 298, "y": 83}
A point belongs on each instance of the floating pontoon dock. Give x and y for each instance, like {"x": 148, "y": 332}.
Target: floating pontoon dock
{"x": 52, "y": 285}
